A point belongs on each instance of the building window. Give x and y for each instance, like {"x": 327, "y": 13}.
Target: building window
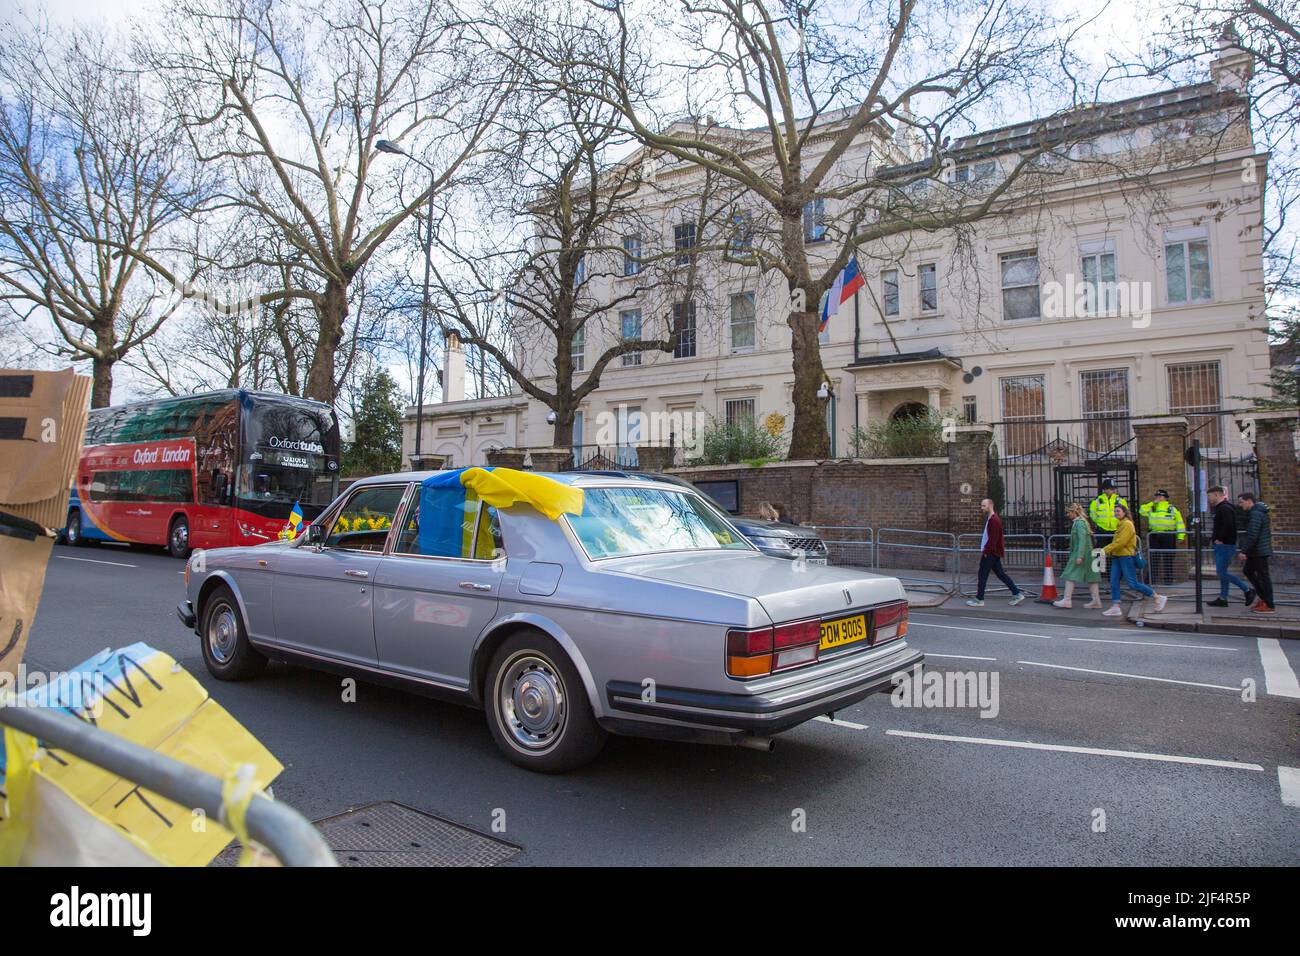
{"x": 580, "y": 272}
{"x": 928, "y": 280}
{"x": 684, "y": 323}
{"x": 1098, "y": 269}
{"x": 1020, "y": 285}
{"x": 630, "y": 320}
{"x": 1195, "y": 392}
{"x": 629, "y": 428}
{"x": 969, "y": 409}
{"x": 577, "y": 436}
{"x": 743, "y": 324}
{"x": 1187, "y": 268}
{"x": 889, "y": 291}
{"x": 683, "y": 241}
{"x": 738, "y": 411}
{"x": 578, "y": 349}
{"x": 1024, "y": 405}
{"x": 742, "y": 235}
{"x": 974, "y": 172}
{"x": 631, "y": 255}
{"x": 1104, "y": 401}
{"x": 814, "y": 221}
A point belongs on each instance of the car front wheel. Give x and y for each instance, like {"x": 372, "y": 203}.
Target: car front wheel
{"x": 226, "y": 650}
{"x": 537, "y": 708}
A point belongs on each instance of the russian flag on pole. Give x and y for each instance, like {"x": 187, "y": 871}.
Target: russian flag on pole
{"x": 845, "y": 287}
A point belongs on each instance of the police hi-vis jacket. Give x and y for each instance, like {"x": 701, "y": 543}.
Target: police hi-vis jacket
{"x": 1163, "y": 518}
{"x": 1101, "y": 511}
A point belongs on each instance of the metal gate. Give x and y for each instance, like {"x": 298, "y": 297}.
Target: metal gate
{"x": 1082, "y": 483}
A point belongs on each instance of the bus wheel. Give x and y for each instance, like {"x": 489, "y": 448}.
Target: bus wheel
{"x": 72, "y": 531}
{"x": 226, "y": 650}
{"x": 178, "y": 538}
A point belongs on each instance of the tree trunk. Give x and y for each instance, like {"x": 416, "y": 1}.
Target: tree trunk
{"x": 809, "y": 438}
{"x": 563, "y": 437}
{"x": 332, "y": 312}
{"x": 101, "y": 391}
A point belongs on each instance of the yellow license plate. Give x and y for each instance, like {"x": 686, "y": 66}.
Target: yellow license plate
{"x": 844, "y": 631}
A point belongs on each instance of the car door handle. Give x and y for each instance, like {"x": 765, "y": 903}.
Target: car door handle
{"x": 357, "y": 574}
{"x": 471, "y": 586}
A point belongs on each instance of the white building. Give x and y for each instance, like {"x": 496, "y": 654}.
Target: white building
{"x": 1108, "y": 295}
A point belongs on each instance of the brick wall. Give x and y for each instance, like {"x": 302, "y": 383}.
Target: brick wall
{"x": 1160, "y": 447}
{"x": 1279, "y": 480}
{"x": 890, "y": 494}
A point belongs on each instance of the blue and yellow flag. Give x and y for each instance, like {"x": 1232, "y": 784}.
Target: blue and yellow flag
{"x": 449, "y": 504}
{"x": 295, "y": 521}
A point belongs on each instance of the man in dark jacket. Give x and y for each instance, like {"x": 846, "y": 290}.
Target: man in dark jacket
{"x": 1256, "y": 545}
{"x": 1224, "y": 536}
{"x": 992, "y": 550}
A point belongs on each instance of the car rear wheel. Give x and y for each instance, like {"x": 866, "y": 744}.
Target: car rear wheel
{"x": 178, "y": 538}
{"x": 537, "y": 708}
{"x": 226, "y": 650}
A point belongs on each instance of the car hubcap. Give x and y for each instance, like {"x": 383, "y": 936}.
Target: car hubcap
{"x": 180, "y": 536}
{"x": 223, "y": 633}
{"x": 532, "y": 703}
{"x": 74, "y": 529}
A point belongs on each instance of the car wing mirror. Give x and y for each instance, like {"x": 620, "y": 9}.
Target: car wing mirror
{"x": 316, "y": 536}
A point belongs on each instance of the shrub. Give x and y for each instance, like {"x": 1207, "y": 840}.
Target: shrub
{"x": 745, "y": 441}
{"x": 920, "y": 436}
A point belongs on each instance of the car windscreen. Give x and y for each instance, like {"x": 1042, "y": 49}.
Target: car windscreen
{"x": 617, "y": 522}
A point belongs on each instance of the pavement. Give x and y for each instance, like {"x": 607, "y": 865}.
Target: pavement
{"x": 1102, "y": 744}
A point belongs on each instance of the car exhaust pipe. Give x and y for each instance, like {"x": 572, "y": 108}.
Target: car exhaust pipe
{"x": 765, "y": 744}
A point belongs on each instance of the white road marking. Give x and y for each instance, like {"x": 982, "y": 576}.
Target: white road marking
{"x": 1195, "y": 647}
{"x": 1288, "y": 780}
{"x": 1002, "y": 620}
{"x": 978, "y": 630}
{"x": 1095, "y": 751}
{"x": 960, "y": 657}
{"x": 1163, "y": 680}
{"x": 1279, "y": 678}
{"x": 116, "y": 564}
{"x": 840, "y": 723}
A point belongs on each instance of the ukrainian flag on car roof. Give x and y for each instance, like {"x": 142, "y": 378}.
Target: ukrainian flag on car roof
{"x": 448, "y": 503}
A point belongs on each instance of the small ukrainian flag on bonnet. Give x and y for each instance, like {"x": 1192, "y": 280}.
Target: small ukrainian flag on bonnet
{"x": 295, "y": 520}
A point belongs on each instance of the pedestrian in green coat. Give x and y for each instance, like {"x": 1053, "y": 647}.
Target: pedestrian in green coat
{"x": 1080, "y": 566}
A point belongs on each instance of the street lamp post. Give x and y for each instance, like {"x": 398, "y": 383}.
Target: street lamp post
{"x": 387, "y": 146}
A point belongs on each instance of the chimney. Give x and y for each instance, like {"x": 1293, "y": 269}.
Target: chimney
{"x": 1232, "y": 67}
{"x": 453, "y": 369}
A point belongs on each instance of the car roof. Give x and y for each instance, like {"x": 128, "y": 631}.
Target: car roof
{"x": 577, "y": 479}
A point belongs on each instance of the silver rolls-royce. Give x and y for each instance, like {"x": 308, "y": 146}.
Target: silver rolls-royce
{"x": 646, "y": 614}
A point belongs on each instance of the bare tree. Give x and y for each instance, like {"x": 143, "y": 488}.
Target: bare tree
{"x": 89, "y": 168}
{"x": 288, "y": 100}
{"x": 806, "y": 95}
{"x": 579, "y": 242}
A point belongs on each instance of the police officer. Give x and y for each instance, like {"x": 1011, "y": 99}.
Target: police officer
{"x": 1165, "y": 524}
{"x": 1101, "y": 510}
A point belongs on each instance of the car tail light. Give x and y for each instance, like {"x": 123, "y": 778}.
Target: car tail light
{"x": 765, "y": 650}
{"x": 890, "y": 623}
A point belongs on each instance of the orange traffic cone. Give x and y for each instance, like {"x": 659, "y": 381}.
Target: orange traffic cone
{"x": 1048, "y": 594}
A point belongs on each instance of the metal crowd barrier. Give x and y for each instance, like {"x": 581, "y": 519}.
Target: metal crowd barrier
{"x": 1173, "y": 570}
{"x": 280, "y": 828}
{"x": 910, "y": 549}
{"x": 848, "y": 545}
{"x": 1024, "y": 554}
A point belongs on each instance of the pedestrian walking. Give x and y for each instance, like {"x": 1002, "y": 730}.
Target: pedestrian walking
{"x": 767, "y": 512}
{"x": 1101, "y": 510}
{"x": 1255, "y": 544}
{"x": 1122, "y": 552}
{"x": 1080, "y": 565}
{"x": 1224, "y": 535}
{"x": 1166, "y": 528}
{"x": 992, "y": 550}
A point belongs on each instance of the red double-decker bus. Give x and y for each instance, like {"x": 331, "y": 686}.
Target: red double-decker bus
{"x": 203, "y": 471}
